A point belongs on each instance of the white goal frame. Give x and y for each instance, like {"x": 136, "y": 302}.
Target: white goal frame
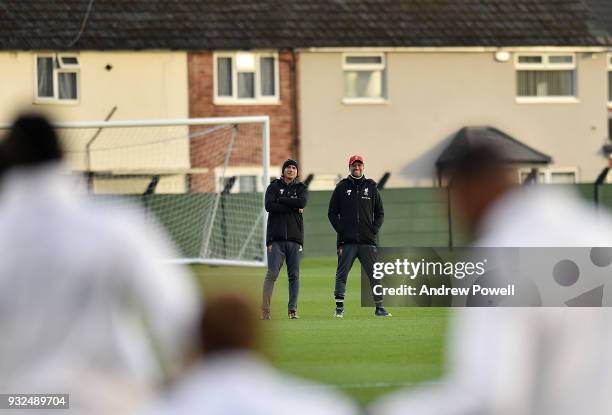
{"x": 264, "y": 120}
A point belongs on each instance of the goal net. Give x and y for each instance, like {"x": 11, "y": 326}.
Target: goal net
{"x": 203, "y": 179}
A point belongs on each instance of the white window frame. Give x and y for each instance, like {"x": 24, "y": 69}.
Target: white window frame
{"x": 63, "y": 68}
{"x": 549, "y": 171}
{"x": 259, "y": 99}
{"x": 366, "y": 67}
{"x": 547, "y": 66}
{"x": 242, "y": 171}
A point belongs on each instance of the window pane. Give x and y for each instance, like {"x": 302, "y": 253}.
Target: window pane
{"x": 530, "y": 59}
{"x": 364, "y": 60}
{"x": 363, "y": 84}
{"x": 541, "y": 177}
{"x": 246, "y": 85}
{"x": 70, "y": 60}
{"x": 224, "y": 77}
{"x": 560, "y": 59}
{"x": 562, "y": 177}
{"x": 248, "y": 184}
{"x": 268, "y": 78}
{"x": 245, "y": 61}
{"x": 45, "y": 76}
{"x": 67, "y": 85}
{"x": 545, "y": 83}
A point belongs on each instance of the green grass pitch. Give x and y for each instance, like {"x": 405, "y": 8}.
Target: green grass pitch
{"x": 363, "y": 355}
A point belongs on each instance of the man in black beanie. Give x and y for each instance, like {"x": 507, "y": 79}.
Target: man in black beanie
{"x": 285, "y": 201}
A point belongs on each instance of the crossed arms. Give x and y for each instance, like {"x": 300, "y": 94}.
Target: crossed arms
{"x": 276, "y": 204}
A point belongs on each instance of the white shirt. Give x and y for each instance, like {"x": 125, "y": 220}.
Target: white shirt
{"x": 544, "y": 216}
{"x": 86, "y": 307}
{"x": 239, "y": 383}
{"x": 526, "y": 361}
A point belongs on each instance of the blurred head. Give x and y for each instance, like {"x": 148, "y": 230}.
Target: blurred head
{"x": 30, "y": 141}
{"x": 229, "y": 323}
{"x": 356, "y": 166}
{"x": 478, "y": 177}
{"x": 290, "y": 169}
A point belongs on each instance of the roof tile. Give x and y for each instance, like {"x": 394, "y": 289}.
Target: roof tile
{"x": 216, "y": 24}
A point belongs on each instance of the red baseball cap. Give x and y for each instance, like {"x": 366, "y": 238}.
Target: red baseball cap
{"x": 355, "y": 158}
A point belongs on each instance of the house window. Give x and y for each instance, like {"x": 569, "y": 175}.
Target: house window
{"x": 247, "y": 184}
{"x": 364, "y": 77}
{"x": 545, "y": 77}
{"x": 246, "y": 78}
{"x": 552, "y": 175}
{"x": 241, "y": 179}
{"x": 57, "y": 78}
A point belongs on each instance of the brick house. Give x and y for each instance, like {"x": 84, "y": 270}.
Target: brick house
{"x": 396, "y": 80}
{"x": 255, "y": 83}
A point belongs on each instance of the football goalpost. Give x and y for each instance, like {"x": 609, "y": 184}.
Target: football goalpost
{"x": 202, "y": 179}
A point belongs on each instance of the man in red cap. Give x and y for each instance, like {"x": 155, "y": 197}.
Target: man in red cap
{"x": 356, "y": 213}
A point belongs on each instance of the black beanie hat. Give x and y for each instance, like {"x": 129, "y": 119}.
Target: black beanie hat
{"x": 289, "y": 162}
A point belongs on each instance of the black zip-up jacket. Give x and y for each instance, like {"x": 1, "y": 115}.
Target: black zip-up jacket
{"x": 283, "y": 200}
{"x": 356, "y": 211}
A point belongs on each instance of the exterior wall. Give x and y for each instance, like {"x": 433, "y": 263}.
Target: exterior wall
{"x": 206, "y": 153}
{"x": 142, "y": 85}
{"x": 430, "y": 97}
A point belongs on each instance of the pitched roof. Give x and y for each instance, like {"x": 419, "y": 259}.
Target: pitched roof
{"x": 513, "y": 150}
{"x": 241, "y": 24}
{"x": 601, "y": 22}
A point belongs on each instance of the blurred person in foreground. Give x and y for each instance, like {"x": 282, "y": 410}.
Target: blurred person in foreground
{"x": 232, "y": 378}
{"x": 520, "y": 361}
{"x": 86, "y": 306}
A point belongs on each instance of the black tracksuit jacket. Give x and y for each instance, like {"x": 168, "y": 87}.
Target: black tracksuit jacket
{"x": 283, "y": 200}
{"x": 356, "y": 211}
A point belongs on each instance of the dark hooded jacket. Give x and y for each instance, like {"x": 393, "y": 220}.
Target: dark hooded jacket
{"x": 283, "y": 200}
{"x": 356, "y": 211}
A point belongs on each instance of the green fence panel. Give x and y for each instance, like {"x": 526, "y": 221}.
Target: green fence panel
{"x": 416, "y": 217}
